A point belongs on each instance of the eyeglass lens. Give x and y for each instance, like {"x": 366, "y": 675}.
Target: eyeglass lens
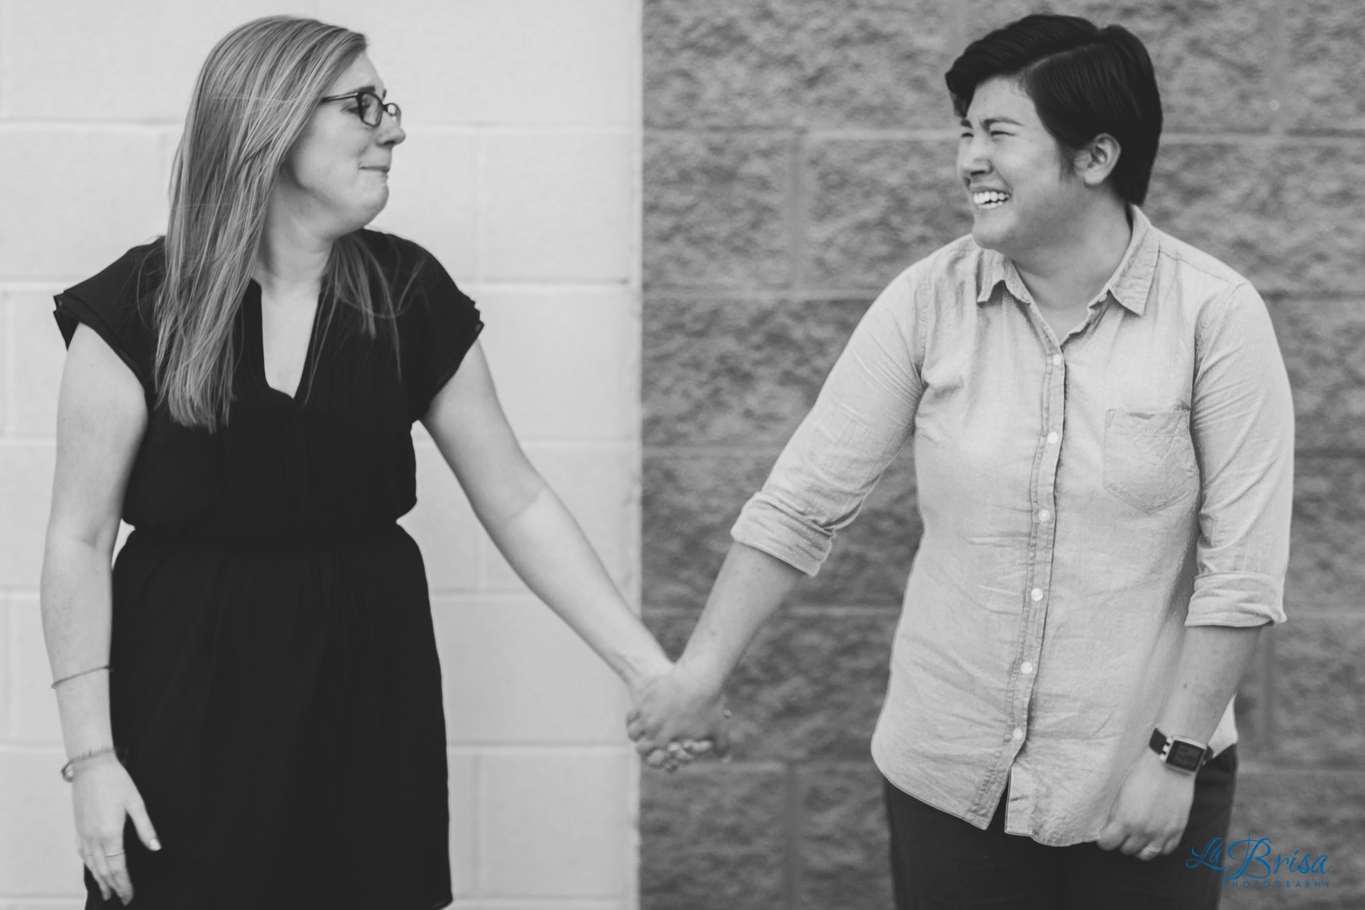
{"x": 372, "y": 109}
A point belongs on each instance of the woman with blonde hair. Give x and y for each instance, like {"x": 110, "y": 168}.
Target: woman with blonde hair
{"x": 251, "y": 698}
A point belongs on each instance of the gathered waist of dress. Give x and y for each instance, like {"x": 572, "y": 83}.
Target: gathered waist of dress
{"x": 305, "y": 538}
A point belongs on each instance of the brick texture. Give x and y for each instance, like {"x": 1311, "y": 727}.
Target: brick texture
{"x": 1325, "y": 66}
{"x": 877, "y": 205}
{"x": 724, "y": 849}
{"x": 796, "y": 159}
{"x": 1312, "y": 813}
{"x": 774, "y": 63}
{"x": 723, "y": 206}
{"x": 843, "y": 835}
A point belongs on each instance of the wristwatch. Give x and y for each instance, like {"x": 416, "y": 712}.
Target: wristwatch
{"x": 1180, "y": 753}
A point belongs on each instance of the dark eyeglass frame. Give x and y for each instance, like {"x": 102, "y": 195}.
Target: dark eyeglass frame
{"x": 380, "y": 105}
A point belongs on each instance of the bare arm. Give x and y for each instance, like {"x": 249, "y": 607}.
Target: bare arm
{"x": 1212, "y": 661}
{"x": 530, "y": 525}
{"x": 684, "y": 704}
{"x": 101, "y": 417}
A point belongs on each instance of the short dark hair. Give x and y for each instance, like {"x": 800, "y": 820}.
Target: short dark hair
{"x": 1084, "y": 80}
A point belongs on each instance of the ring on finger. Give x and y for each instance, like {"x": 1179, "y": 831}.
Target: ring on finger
{"x": 1150, "y": 850}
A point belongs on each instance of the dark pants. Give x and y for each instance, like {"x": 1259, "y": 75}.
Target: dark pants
{"x": 940, "y": 862}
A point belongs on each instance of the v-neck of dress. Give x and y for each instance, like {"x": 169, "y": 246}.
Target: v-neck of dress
{"x": 256, "y": 340}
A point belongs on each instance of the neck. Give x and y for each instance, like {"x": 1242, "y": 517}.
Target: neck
{"x": 291, "y": 257}
{"x": 1069, "y": 273}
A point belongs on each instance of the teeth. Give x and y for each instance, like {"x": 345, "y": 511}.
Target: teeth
{"x": 989, "y": 198}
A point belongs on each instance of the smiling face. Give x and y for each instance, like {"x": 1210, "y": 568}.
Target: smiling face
{"x": 1019, "y": 180}
{"x": 335, "y": 178}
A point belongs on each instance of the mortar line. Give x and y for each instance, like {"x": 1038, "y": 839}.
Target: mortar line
{"x": 791, "y": 872}
{"x": 1318, "y": 137}
{"x": 797, "y": 214}
{"x": 1277, "y": 76}
{"x": 742, "y": 295}
{"x": 1268, "y": 689}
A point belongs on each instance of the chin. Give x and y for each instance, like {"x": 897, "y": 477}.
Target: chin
{"x": 364, "y": 214}
{"x": 986, "y": 238}
{"x": 993, "y": 233}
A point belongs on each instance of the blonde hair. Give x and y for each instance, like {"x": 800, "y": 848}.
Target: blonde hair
{"x": 253, "y": 99}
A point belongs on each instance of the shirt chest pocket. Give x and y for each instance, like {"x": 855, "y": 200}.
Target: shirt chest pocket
{"x": 1149, "y": 458}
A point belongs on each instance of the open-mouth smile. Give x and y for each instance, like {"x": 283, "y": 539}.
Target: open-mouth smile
{"x": 989, "y": 199}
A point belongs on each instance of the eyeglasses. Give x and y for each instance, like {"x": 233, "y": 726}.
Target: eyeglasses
{"x": 369, "y": 107}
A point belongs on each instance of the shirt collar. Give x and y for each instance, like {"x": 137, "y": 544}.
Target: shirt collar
{"x": 1129, "y": 285}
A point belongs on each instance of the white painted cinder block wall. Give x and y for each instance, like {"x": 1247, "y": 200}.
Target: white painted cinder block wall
{"x": 521, "y": 172}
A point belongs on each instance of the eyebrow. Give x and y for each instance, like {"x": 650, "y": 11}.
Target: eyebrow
{"x": 371, "y": 88}
{"x": 991, "y": 121}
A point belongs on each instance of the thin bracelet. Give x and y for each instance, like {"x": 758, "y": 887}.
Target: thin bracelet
{"x": 75, "y": 675}
{"x": 69, "y": 769}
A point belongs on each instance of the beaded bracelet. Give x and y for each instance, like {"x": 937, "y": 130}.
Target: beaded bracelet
{"x": 69, "y": 769}
{"x": 76, "y": 675}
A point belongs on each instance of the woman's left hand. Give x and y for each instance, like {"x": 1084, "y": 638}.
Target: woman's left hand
{"x": 1150, "y": 811}
{"x": 675, "y": 717}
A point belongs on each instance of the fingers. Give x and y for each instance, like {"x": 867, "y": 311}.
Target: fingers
{"x": 88, "y": 857}
{"x": 98, "y": 864}
{"x": 698, "y": 746}
{"x": 1112, "y": 835}
{"x": 679, "y": 754}
{"x": 720, "y": 738}
{"x": 145, "y": 832}
{"x": 1146, "y": 846}
{"x": 116, "y": 863}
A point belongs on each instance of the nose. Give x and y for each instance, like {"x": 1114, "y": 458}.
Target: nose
{"x": 972, "y": 159}
{"x": 390, "y": 131}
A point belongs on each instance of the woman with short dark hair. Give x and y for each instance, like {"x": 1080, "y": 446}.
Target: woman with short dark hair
{"x": 253, "y": 692}
{"x": 1103, "y": 441}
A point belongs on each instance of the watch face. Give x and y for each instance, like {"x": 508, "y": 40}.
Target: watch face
{"x": 1185, "y": 755}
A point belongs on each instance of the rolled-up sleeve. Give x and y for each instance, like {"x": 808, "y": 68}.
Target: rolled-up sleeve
{"x": 1243, "y": 427}
{"x": 863, "y": 416}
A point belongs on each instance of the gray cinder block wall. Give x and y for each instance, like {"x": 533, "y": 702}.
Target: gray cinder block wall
{"x": 798, "y": 154}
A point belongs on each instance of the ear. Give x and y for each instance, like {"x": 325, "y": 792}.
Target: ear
{"x": 1097, "y": 159}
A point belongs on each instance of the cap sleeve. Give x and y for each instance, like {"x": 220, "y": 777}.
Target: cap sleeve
{"x": 437, "y": 327}
{"x": 114, "y": 304}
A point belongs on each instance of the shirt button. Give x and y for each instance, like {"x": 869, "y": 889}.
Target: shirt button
{"x": 1053, "y": 437}
{"x": 1026, "y": 668}
{"x": 1018, "y": 734}
{"x": 1044, "y": 516}
{"x": 1036, "y": 594}
{"x": 1057, "y": 360}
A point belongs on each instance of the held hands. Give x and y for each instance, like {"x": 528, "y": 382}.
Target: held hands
{"x": 105, "y": 796}
{"x": 1150, "y": 811}
{"x": 677, "y": 717}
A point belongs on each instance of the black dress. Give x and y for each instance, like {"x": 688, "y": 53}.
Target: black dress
{"x": 275, "y": 685}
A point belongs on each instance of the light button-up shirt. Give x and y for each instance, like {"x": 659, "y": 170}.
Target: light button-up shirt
{"x": 1083, "y": 502}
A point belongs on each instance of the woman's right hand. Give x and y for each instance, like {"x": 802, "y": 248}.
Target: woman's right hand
{"x": 672, "y": 710}
{"x": 104, "y": 797}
